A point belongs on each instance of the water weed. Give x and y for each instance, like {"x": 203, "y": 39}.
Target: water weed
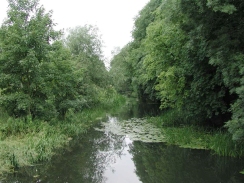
{"x": 137, "y": 129}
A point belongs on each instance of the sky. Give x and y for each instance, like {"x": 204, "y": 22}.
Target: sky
{"x": 114, "y": 18}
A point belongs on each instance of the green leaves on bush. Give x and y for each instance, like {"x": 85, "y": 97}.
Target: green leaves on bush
{"x": 188, "y": 55}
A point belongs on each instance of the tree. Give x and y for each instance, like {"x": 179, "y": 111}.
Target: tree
{"x": 189, "y": 55}
{"x": 165, "y": 55}
{"x": 64, "y": 80}
{"x": 121, "y": 71}
{"x": 25, "y": 40}
{"x": 218, "y": 27}
{"x": 142, "y": 86}
{"x": 85, "y": 46}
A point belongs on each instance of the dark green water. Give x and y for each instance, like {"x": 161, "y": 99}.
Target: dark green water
{"x": 103, "y": 157}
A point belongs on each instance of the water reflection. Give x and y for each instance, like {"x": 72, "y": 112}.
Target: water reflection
{"x": 158, "y": 163}
{"x": 98, "y": 158}
{"x": 123, "y": 169}
{"x": 137, "y": 110}
{"x": 104, "y": 157}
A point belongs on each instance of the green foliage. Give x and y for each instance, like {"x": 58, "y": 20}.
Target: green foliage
{"x": 85, "y": 46}
{"x": 222, "y": 50}
{"x": 222, "y": 144}
{"x": 120, "y": 71}
{"x": 172, "y": 118}
{"x": 224, "y": 7}
{"x": 25, "y": 42}
{"x": 24, "y": 142}
{"x": 42, "y": 76}
{"x": 236, "y": 125}
{"x": 142, "y": 86}
{"x": 180, "y": 133}
{"x": 164, "y": 46}
{"x": 45, "y": 83}
{"x": 189, "y": 56}
{"x": 187, "y": 137}
{"x": 65, "y": 80}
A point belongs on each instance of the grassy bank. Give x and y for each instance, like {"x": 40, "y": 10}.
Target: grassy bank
{"x": 219, "y": 141}
{"x": 27, "y": 142}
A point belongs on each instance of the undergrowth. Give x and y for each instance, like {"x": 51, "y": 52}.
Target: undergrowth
{"x": 178, "y": 132}
{"x": 24, "y": 142}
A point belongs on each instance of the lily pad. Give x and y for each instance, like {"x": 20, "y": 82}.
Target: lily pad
{"x": 137, "y": 129}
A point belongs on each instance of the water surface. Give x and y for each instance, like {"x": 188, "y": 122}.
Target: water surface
{"x": 102, "y": 156}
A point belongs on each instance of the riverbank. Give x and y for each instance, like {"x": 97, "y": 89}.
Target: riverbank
{"x": 27, "y": 142}
{"x": 219, "y": 141}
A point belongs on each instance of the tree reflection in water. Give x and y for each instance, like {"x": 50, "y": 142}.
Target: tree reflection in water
{"x": 159, "y": 163}
{"x": 103, "y": 157}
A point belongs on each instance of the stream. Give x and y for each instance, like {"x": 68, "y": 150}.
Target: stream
{"x": 113, "y": 153}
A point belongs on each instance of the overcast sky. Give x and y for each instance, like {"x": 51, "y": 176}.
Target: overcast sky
{"x": 114, "y": 18}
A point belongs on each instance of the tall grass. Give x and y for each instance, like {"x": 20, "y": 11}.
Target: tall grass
{"x": 28, "y": 145}
{"x": 24, "y": 142}
{"x": 222, "y": 144}
{"x": 188, "y": 137}
{"x": 178, "y": 131}
{"x": 173, "y": 118}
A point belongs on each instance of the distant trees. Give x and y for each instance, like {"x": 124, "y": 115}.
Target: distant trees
{"x": 85, "y": 46}
{"x": 120, "y": 71}
{"x": 189, "y": 56}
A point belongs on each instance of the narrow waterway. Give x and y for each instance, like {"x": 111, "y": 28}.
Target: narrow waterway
{"x": 102, "y": 156}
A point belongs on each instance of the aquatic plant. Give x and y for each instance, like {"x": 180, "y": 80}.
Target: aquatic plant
{"x": 136, "y": 129}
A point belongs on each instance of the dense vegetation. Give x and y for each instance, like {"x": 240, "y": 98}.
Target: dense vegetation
{"x": 51, "y": 87}
{"x": 43, "y": 76}
{"x": 188, "y": 56}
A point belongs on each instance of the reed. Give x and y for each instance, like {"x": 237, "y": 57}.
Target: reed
{"x": 189, "y": 135}
{"x": 24, "y": 149}
{"x": 172, "y": 118}
{"x": 24, "y": 142}
{"x": 222, "y": 144}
